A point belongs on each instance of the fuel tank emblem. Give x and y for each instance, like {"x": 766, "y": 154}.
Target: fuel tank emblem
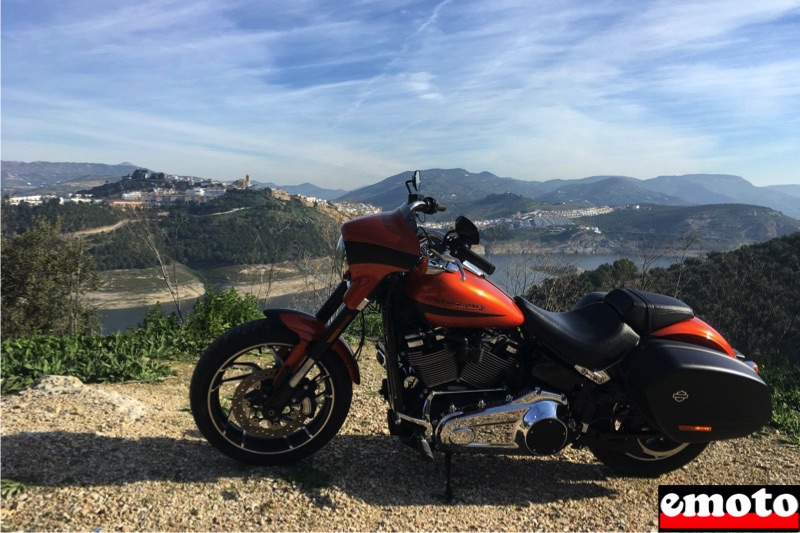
{"x": 680, "y": 396}
{"x": 451, "y": 303}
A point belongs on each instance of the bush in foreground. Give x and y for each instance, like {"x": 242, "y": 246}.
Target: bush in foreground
{"x": 138, "y": 354}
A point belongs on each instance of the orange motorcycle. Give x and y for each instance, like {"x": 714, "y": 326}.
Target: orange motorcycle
{"x": 634, "y": 376}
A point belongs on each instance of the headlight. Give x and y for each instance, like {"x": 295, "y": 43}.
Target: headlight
{"x": 340, "y": 261}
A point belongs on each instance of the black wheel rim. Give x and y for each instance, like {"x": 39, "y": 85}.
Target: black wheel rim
{"x": 657, "y": 448}
{"x": 236, "y": 393}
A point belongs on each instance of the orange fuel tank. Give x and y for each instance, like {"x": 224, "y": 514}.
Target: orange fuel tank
{"x": 444, "y": 300}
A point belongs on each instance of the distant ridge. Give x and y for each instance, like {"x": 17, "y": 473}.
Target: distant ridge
{"x": 792, "y": 190}
{"x": 458, "y": 187}
{"x": 610, "y": 191}
{"x": 18, "y": 177}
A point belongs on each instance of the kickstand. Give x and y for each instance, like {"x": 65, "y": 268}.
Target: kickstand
{"x": 448, "y": 490}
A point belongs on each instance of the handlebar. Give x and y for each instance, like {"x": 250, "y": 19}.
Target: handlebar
{"x": 465, "y": 254}
{"x": 427, "y": 205}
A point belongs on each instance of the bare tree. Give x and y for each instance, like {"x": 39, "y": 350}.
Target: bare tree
{"x": 318, "y": 271}
{"x": 258, "y": 277}
{"x": 648, "y": 250}
{"x": 155, "y": 243}
{"x": 530, "y": 268}
{"x": 687, "y": 241}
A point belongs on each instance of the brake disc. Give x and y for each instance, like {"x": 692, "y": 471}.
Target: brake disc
{"x": 247, "y": 402}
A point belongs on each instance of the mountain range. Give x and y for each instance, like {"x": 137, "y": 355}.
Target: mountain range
{"x": 42, "y": 177}
{"x": 458, "y": 188}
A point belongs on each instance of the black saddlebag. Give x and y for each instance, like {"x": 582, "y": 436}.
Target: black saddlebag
{"x": 694, "y": 394}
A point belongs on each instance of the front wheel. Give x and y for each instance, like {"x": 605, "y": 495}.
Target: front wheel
{"x": 233, "y": 380}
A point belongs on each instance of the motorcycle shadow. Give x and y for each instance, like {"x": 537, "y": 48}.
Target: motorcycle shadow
{"x": 363, "y": 466}
{"x": 366, "y": 462}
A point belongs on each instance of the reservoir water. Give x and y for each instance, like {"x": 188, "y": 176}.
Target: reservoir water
{"x": 120, "y": 319}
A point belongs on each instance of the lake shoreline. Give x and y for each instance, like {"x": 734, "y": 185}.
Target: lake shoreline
{"x": 129, "y": 293}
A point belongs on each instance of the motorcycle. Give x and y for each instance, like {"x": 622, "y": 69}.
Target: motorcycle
{"x": 633, "y": 376}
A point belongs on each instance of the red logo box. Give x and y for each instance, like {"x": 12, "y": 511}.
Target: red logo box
{"x": 728, "y": 508}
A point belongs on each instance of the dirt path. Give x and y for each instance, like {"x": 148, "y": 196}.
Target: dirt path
{"x": 103, "y": 229}
{"x": 128, "y": 457}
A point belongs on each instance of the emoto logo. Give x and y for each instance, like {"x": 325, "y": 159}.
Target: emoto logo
{"x": 728, "y": 508}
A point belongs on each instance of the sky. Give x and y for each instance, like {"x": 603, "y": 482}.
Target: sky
{"x": 345, "y": 93}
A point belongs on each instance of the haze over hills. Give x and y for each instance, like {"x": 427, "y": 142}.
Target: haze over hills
{"x": 450, "y": 186}
{"x": 456, "y": 187}
{"x": 42, "y": 177}
{"x": 792, "y": 190}
{"x": 639, "y": 213}
{"x": 610, "y": 191}
{"x": 19, "y": 177}
{"x": 306, "y": 189}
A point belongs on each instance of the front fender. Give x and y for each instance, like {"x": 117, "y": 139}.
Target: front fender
{"x": 308, "y": 328}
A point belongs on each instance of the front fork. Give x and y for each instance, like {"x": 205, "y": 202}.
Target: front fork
{"x": 305, "y": 355}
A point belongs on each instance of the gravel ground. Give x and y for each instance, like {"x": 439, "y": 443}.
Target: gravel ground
{"x": 127, "y": 457}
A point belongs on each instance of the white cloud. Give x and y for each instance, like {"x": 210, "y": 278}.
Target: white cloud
{"x": 523, "y": 89}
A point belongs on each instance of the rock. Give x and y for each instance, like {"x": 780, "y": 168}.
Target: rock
{"x": 57, "y": 384}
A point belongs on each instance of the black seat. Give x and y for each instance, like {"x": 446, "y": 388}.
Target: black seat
{"x": 589, "y": 298}
{"x": 592, "y": 336}
{"x": 646, "y": 312}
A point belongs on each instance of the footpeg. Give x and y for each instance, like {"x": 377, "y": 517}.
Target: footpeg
{"x": 424, "y": 448}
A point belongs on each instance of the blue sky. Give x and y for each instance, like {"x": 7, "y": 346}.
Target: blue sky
{"x": 345, "y": 93}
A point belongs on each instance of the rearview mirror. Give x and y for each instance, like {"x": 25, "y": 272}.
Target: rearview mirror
{"x": 413, "y": 182}
{"x": 467, "y": 231}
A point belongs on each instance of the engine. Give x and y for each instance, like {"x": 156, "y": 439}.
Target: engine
{"x": 476, "y": 358}
{"x": 468, "y": 387}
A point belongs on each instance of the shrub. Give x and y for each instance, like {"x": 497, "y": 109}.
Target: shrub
{"x": 45, "y": 277}
{"x": 135, "y": 355}
{"x": 782, "y": 382}
{"x": 214, "y": 314}
{"x": 90, "y": 358}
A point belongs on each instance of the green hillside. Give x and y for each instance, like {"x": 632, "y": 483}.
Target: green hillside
{"x": 241, "y": 227}
{"x": 74, "y": 216}
{"x": 499, "y": 206}
{"x": 722, "y": 226}
{"x": 751, "y": 295}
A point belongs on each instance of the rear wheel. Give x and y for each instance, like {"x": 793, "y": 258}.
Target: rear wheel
{"x": 649, "y": 456}
{"x": 658, "y": 455}
{"x": 233, "y": 380}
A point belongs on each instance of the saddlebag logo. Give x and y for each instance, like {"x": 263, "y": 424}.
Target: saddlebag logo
{"x": 728, "y": 508}
{"x": 680, "y": 396}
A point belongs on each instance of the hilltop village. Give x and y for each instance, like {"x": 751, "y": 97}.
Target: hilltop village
{"x": 146, "y": 189}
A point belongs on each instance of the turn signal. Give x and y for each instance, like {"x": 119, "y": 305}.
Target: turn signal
{"x": 696, "y": 429}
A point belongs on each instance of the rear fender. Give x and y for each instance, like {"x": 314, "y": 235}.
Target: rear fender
{"x": 308, "y": 328}
{"x": 695, "y": 331}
